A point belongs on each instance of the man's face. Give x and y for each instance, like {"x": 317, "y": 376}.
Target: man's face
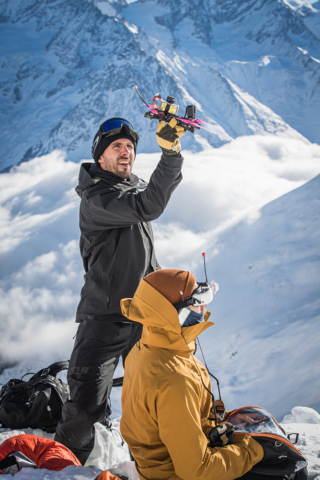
{"x": 118, "y": 158}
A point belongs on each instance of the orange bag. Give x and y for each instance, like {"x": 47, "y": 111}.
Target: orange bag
{"x": 43, "y": 452}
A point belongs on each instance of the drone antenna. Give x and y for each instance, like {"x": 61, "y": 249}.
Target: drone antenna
{"x": 205, "y": 268}
{"x": 136, "y": 89}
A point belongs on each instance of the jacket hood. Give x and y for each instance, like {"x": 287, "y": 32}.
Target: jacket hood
{"x": 160, "y": 320}
{"x": 85, "y": 178}
{"x": 90, "y": 173}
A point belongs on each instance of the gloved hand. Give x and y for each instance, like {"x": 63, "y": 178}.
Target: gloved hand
{"x": 221, "y": 435}
{"x": 168, "y": 136}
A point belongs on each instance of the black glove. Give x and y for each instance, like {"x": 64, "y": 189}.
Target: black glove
{"x": 221, "y": 435}
{"x": 168, "y": 136}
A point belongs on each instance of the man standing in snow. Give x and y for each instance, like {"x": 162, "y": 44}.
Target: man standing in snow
{"x": 117, "y": 249}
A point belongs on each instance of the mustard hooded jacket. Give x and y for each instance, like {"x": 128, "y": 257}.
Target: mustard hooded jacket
{"x": 165, "y": 407}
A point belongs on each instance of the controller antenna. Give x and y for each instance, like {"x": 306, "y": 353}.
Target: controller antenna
{"x": 204, "y": 263}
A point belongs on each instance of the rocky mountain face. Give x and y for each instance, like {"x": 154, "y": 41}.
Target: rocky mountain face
{"x": 251, "y": 66}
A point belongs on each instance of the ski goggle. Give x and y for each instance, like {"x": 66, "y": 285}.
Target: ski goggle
{"x": 111, "y": 127}
{"x": 202, "y": 295}
{"x": 204, "y": 292}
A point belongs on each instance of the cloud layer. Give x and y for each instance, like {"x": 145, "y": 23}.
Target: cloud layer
{"x": 41, "y": 269}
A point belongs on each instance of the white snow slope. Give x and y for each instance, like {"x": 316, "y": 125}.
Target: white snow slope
{"x": 109, "y": 450}
{"x": 266, "y": 338}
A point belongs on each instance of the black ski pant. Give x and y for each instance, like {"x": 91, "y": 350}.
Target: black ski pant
{"x": 97, "y": 349}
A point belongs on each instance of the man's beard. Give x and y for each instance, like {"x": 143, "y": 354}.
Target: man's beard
{"x": 123, "y": 175}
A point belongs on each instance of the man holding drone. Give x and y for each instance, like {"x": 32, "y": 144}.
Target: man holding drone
{"x": 117, "y": 250}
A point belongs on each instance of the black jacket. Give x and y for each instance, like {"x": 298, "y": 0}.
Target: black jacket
{"x": 116, "y": 242}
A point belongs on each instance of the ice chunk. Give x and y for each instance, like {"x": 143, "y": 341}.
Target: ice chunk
{"x": 302, "y": 415}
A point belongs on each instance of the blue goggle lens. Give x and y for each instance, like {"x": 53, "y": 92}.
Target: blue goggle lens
{"x": 113, "y": 126}
{"x": 114, "y": 123}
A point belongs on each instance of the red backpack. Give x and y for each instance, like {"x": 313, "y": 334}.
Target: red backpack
{"x": 25, "y": 450}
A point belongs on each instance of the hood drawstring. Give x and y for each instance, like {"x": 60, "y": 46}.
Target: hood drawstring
{"x": 211, "y": 393}
{"x": 218, "y": 405}
{"x": 218, "y": 384}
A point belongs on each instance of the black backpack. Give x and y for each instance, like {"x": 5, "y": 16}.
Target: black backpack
{"x": 36, "y": 403}
{"x": 282, "y": 460}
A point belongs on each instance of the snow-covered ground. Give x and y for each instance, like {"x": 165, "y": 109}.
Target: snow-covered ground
{"x": 306, "y": 422}
{"x": 110, "y": 451}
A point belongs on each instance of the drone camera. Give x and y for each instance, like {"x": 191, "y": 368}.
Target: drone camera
{"x": 170, "y": 99}
{"x": 191, "y": 111}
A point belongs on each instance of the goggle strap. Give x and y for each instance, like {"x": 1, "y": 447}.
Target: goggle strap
{"x": 102, "y": 133}
{"x": 185, "y": 303}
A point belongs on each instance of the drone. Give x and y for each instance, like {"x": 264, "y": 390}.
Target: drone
{"x": 167, "y": 109}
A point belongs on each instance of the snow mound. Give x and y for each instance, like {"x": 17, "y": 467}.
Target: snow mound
{"x": 302, "y": 415}
{"x": 306, "y": 422}
{"x": 109, "y": 451}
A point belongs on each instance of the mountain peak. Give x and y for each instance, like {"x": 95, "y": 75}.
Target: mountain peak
{"x": 66, "y": 66}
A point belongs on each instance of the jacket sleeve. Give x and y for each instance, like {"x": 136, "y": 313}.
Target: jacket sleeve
{"x": 114, "y": 208}
{"x": 179, "y": 420}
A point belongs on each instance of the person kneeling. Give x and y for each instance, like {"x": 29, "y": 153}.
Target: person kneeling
{"x": 165, "y": 405}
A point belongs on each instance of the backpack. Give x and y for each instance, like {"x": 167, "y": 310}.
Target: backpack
{"x": 30, "y": 451}
{"x": 36, "y": 403}
{"x": 282, "y": 460}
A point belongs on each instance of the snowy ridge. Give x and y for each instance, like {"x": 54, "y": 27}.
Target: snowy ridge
{"x": 250, "y": 67}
